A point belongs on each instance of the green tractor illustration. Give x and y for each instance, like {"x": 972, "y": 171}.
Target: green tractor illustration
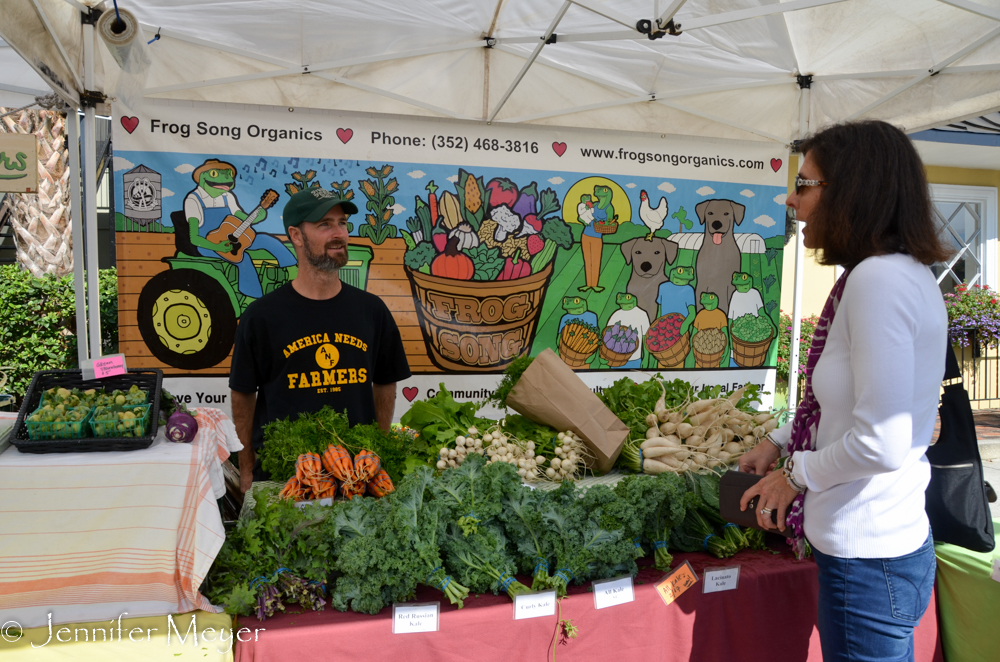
{"x": 187, "y": 315}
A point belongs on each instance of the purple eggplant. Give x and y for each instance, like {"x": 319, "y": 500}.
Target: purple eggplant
{"x": 526, "y": 202}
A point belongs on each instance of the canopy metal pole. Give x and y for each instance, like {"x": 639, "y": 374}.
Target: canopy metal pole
{"x": 531, "y": 59}
{"x": 89, "y": 171}
{"x": 76, "y": 218}
{"x": 800, "y": 249}
{"x": 668, "y": 13}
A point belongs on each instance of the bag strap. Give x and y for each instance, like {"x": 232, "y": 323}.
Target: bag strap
{"x": 951, "y": 369}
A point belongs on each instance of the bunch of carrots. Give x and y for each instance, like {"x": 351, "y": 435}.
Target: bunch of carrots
{"x": 334, "y": 474}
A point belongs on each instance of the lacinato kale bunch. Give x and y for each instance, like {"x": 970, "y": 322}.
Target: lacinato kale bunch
{"x": 706, "y": 488}
{"x": 696, "y": 534}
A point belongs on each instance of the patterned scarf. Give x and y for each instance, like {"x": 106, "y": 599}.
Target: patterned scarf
{"x": 807, "y": 414}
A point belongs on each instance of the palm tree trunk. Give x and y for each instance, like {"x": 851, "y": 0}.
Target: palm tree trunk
{"x": 41, "y": 222}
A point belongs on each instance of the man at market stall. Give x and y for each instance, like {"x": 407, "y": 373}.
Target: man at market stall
{"x": 316, "y": 341}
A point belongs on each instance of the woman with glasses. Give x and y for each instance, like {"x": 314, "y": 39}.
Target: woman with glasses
{"x": 853, "y": 485}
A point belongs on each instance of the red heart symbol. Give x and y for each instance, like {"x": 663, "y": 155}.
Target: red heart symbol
{"x": 775, "y": 164}
{"x": 559, "y": 148}
{"x": 345, "y": 135}
{"x": 409, "y": 392}
{"x": 130, "y": 123}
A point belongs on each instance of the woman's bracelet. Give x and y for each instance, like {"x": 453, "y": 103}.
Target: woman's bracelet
{"x": 776, "y": 444}
{"x": 791, "y": 480}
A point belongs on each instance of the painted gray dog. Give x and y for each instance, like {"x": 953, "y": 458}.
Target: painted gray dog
{"x": 649, "y": 258}
{"x": 719, "y": 256}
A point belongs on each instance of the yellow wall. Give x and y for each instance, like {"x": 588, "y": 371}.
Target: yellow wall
{"x": 817, "y": 280}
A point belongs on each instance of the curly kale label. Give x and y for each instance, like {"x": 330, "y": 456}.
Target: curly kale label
{"x": 534, "y": 605}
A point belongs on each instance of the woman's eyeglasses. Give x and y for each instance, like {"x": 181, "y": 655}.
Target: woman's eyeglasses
{"x": 801, "y": 183}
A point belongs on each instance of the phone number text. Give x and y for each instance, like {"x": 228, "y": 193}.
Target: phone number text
{"x": 461, "y": 143}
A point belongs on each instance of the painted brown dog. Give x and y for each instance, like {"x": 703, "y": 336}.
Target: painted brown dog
{"x": 649, "y": 259}
{"x": 719, "y": 256}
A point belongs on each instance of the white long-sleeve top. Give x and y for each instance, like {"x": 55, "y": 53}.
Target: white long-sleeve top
{"x": 877, "y": 383}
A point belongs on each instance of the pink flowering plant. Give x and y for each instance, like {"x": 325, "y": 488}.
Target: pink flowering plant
{"x": 808, "y": 328}
{"x": 973, "y": 308}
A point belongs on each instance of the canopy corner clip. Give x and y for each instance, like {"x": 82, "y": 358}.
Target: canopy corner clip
{"x": 645, "y": 26}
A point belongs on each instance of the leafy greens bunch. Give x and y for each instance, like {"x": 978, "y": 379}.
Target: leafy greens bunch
{"x": 439, "y": 421}
{"x": 280, "y": 553}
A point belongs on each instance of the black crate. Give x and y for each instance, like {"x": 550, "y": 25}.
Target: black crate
{"x": 147, "y": 380}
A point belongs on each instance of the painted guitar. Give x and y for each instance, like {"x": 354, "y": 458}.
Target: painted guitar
{"x": 238, "y": 232}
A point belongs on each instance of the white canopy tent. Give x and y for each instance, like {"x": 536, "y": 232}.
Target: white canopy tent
{"x": 723, "y": 69}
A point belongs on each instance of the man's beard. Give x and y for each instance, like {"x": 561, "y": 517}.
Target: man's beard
{"x": 322, "y": 261}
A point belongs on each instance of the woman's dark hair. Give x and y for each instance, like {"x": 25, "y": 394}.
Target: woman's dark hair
{"x": 876, "y": 201}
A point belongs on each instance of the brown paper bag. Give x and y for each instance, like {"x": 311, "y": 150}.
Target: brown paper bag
{"x": 550, "y": 393}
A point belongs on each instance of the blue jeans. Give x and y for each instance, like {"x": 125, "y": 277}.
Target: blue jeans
{"x": 868, "y": 608}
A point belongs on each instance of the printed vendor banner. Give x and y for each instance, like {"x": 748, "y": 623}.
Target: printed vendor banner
{"x": 620, "y": 252}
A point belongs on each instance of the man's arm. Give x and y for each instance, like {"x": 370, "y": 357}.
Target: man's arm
{"x": 385, "y": 404}
{"x": 243, "y": 407}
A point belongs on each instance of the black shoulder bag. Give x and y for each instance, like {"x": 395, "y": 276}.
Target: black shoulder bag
{"x": 957, "y": 498}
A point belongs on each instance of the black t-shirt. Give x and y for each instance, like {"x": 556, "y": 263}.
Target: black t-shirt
{"x": 299, "y": 354}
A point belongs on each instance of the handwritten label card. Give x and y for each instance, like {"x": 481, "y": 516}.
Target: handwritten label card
{"x": 613, "y": 592}
{"x": 995, "y": 575}
{"x": 534, "y": 605}
{"x": 721, "y": 579}
{"x": 411, "y": 617}
{"x": 674, "y": 584}
{"x": 106, "y": 366}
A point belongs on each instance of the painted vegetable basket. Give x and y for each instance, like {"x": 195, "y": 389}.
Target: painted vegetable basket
{"x": 666, "y": 343}
{"x": 577, "y": 343}
{"x": 613, "y": 343}
{"x": 605, "y": 227}
{"x": 148, "y": 380}
{"x": 750, "y": 355}
{"x": 709, "y": 346}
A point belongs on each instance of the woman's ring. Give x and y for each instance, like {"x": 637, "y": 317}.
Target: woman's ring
{"x": 765, "y": 511}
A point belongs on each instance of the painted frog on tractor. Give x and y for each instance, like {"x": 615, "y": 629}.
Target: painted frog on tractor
{"x": 187, "y": 315}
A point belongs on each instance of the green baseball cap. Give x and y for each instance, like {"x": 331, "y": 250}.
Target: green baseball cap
{"x": 310, "y": 205}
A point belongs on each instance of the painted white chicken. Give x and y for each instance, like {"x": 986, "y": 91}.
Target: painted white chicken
{"x": 652, "y": 218}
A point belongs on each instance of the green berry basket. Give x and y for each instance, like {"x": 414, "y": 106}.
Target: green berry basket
{"x": 113, "y": 427}
{"x": 38, "y": 430}
{"x": 149, "y": 380}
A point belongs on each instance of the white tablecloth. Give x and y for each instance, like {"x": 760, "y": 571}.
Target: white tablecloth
{"x": 89, "y": 536}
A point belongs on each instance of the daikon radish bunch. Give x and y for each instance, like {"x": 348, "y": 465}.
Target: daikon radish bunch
{"x": 697, "y": 435}
{"x": 464, "y": 446}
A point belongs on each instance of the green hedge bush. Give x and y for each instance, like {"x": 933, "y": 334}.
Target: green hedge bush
{"x": 38, "y": 323}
